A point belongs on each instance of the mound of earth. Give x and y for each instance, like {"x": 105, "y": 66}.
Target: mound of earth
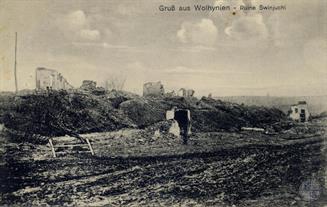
{"x": 208, "y": 115}
{"x": 6, "y": 100}
{"x": 58, "y": 113}
{"x": 144, "y": 112}
{"x": 117, "y": 97}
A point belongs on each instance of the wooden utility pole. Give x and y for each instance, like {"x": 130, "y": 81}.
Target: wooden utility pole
{"x": 15, "y": 72}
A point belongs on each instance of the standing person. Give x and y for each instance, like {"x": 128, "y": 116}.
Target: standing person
{"x": 182, "y": 118}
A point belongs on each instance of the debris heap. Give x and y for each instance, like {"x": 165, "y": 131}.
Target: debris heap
{"x": 60, "y": 112}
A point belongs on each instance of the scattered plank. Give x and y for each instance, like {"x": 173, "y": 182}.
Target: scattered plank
{"x": 252, "y": 129}
{"x": 85, "y": 143}
{"x": 88, "y": 142}
{"x": 52, "y": 148}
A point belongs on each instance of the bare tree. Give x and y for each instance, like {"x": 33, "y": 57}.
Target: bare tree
{"x": 115, "y": 82}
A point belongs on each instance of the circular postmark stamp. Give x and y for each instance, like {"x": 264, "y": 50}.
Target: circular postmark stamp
{"x": 310, "y": 190}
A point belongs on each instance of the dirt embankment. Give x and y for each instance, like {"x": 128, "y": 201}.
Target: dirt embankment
{"x": 59, "y": 112}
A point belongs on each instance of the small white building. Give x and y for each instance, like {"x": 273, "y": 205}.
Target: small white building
{"x": 299, "y": 112}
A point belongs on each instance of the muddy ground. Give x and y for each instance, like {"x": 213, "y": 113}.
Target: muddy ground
{"x": 132, "y": 169}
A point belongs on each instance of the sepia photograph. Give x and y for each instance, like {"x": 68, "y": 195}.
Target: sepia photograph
{"x": 186, "y": 103}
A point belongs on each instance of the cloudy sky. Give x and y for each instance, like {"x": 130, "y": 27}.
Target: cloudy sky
{"x": 282, "y": 53}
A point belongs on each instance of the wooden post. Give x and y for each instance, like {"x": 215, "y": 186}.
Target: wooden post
{"x": 88, "y": 143}
{"x": 52, "y": 148}
{"x": 15, "y": 72}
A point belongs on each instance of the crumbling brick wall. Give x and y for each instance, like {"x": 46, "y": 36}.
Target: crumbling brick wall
{"x": 153, "y": 89}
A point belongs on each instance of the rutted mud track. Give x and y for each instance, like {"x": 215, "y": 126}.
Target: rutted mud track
{"x": 208, "y": 178}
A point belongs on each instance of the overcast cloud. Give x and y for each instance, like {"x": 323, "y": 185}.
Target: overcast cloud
{"x": 249, "y": 53}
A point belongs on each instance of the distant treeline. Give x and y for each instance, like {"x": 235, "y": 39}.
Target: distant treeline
{"x": 316, "y": 104}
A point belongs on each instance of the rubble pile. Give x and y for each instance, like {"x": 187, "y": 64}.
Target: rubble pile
{"x": 143, "y": 112}
{"x": 88, "y": 85}
{"x": 91, "y": 87}
{"x": 163, "y": 127}
{"x": 209, "y": 115}
{"x": 6, "y": 100}
{"x": 117, "y": 97}
{"x": 230, "y": 116}
{"x": 58, "y": 113}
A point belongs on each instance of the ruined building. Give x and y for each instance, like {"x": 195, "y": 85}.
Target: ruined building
{"x": 299, "y": 112}
{"x": 88, "y": 85}
{"x": 170, "y": 94}
{"x": 153, "y": 89}
{"x": 186, "y": 92}
{"x": 50, "y": 79}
